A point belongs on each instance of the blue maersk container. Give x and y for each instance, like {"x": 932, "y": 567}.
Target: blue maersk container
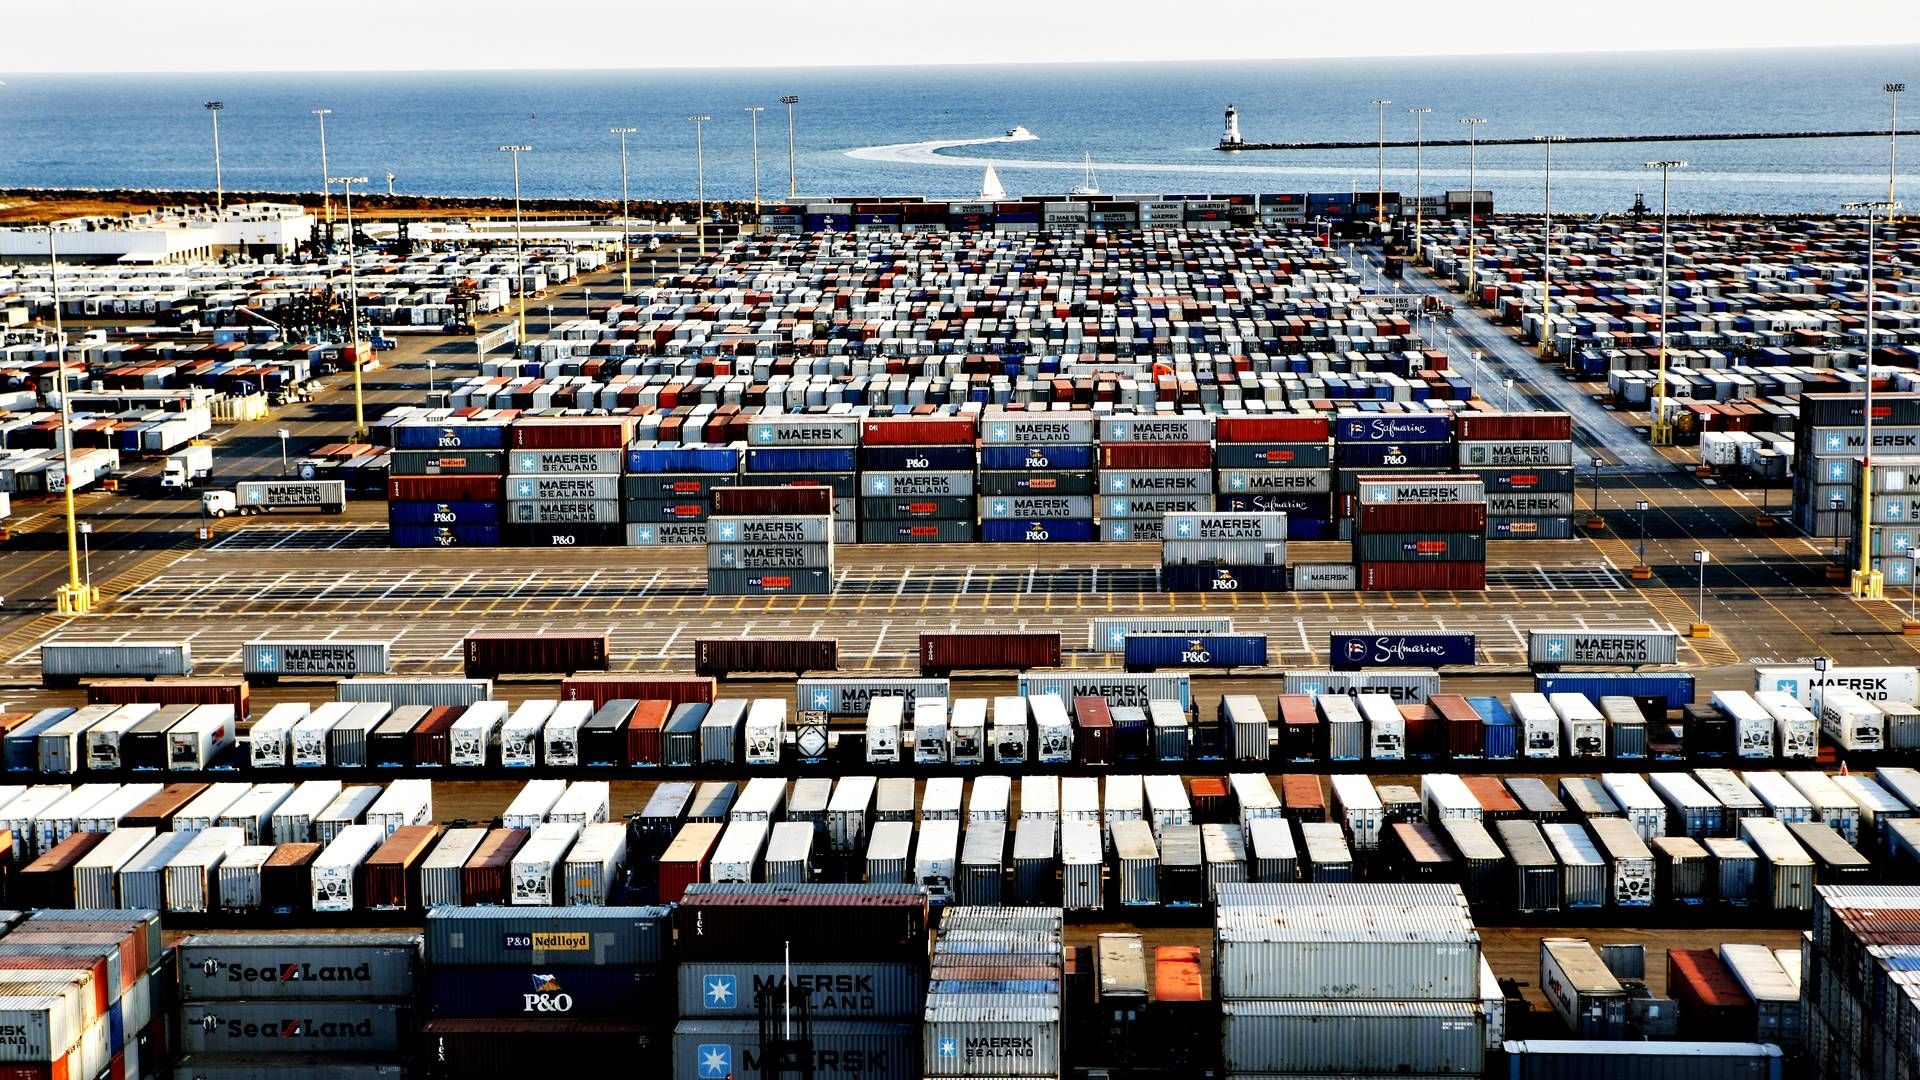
{"x": 1146, "y": 652}
{"x": 1675, "y": 689}
{"x": 431, "y": 436}
{"x": 1046, "y": 531}
{"x": 429, "y": 536}
{"x": 1502, "y": 734}
{"x": 766, "y": 459}
{"x": 674, "y": 458}
{"x": 1036, "y": 457}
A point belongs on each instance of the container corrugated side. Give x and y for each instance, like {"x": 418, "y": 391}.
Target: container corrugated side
{"x": 330, "y": 1027}
{"x": 1439, "y": 1038}
{"x": 353, "y": 966}
{"x": 833, "y": 991}
{"x": 562, "y": 937}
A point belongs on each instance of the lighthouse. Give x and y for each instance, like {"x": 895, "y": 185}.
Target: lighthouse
{"x": 1231, "y": 136}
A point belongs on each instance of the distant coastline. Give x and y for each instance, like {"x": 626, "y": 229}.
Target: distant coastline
{"x": 27, "y": 206}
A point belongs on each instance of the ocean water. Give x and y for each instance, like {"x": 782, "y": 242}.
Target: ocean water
{"x": 876, "y": 131}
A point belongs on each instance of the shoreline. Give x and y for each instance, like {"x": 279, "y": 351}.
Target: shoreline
{"x": 36, "y": 206}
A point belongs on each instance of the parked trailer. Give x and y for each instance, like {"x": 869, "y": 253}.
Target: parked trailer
{"x": 1629, "y": 861}
{"x": 476, "y": 735}
{"x": 1445, "y": 796}
{"x": 1736, "y": 799}
{"x": 103, "y": 740}
{"x": 1386, "y": 727}
{"x": 732, "y": 656}
{"x": 1587, "y": 997}
{"x": 1583, "y": 728}
{"x": 67, "y": 663}
{"x": 1637, "y": 801}
{"x": 929, "y": 737}
{"x": 1626, "y": 726}
{"x": 489, "y": 654}
{"x": 1796, "y": 730}
{"x": 1785, "y": 871}
{"x": 1692, "y": 810}
{"x": 1358, "y": 806}
{"x": 197, "y": 691}
{"x": 1555, "y": 1059}
{"x": 267, "y": 662}
{"x": 942, "y": 653}
{"x": 1783, "y": 801}
{"x": 1583, "y": 871}
{"x": 1536, "y": 872}
{"x": 1247, "y": 726}
{"x": 520, "y": 732}
{"x": 292, "y": 821}
{"x": 1539, "y": 725}
{"x": 1832, "y": 806}
{"x": 1753, "y": 724}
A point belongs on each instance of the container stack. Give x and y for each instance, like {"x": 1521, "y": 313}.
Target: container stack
{"x": 564, "y": 481}
{"x": 779, "y": 541}
{"x": 855, "y": 996}
{"x": 1151, "y": 466}
{"x": 1040, "y": 455}
{"x": 1435, "y": 545}
{"x": 1860, "y": 1001}
{"x": 1387, "y": 446}
{"x": 444, "y": 485}
{"x": 994, "y": 1001}
{"x": 1224, "y": 552}
{"x": 825, "y": 462}
{"x": 1277, "y": 464}
{"x": 667, "y": 492}
{"x": 238, "y": 991}
{"x": 1829, "y": 439}
{"x": 513, "y": 991}
{"x": 1892, "y": 507}
{"x": 917, "y": 480}
{"x": 1526, "y": 462}
{"x": 1357, "y": 980}
{"x": 89, "y": 994}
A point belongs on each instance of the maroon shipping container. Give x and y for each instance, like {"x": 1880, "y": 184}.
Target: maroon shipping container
{"x": 1208, "y": 797}
{"x": 286, "y": 878}
{"x": 1426, "y": 733}
{"x": 187, "y": 691}
{"x": 1422, "y": 517}
{"x": 454, "y": 1049}
{"x": 1093, "y": 743}
{"x": 1299, "y": 728}
{"x": 433, "y": 737}
{"x": 1303, "y": 798}
{"x": 645, "y": 745}
{"x": 487, "y": 877}
{"x": 572, "y": 432}
{"x": 810, "y": 500}
{"x": 1415, "y": 576}
{"x": 918, "y": 431}
{"x": 1496, "y": 802}
{"x": 1420, "y": 852}
{"x": 390, "y": 879}
{"x": 1466, "y": 731}
{"x": 684, "y": 863}
{"x": 672, "y": 689}
{"x": 1156, "y": 455}
{"x": 444, "y": 488}
{"x": 492, "y": 653}
{"x": 1711, "y": 1002}
{"x": 157, "y": 812}
{"x": 47, "y": 882}
{"x": 725, "y": 656}
{"x": 940, "y": 653}
{"x": 1483, "y": 427}
{"x": 724, "y": 926}
{"x": 1270, "y": 429}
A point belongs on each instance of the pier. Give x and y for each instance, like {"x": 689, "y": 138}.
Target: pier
{"x": 1711, "y": 136}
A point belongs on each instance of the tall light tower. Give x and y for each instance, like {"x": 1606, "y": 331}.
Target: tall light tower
{"x": 1473, "y": 206}
{"x": 219, "y": 183}
{"x": 1546, "y": 259}
{"x": 353, "y": 305}
{"x": 75, "y": 597}
{"x": 519, "y": 250}
{"x": 790, "y": 101}
{"x": 326, "y": 181}
{"x": 626, "y": 223}
{"x": 754, "y": 111}
{"x": 1893, "y": 90}
{"x": 700, "y": 181}
{"x": 1419, "y": 184}
{"x": 1660, "y": 428}
{"x": 1380, "y": 198}
{"x": 1867, "y": 582}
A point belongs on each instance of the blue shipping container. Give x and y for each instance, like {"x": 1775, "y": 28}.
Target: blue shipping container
{"x": 1393, "y": 427}
{"x": 1502, "y": 734}
{"x": 572, "y": 991}
{"x": 1146, "y": 652}
{"x": 447, "y": 513}
{"x": 683, "y": 459}
{"x": 1052, "y": 530}
{"x": 800, "y": 459}
{"x": 1036, "y": 457}
{"x": 450, "y": 437}
{"x": 428, "y": 536}
{"x": 994, "y": 986}
{"x": 1676, "y": 690}
{"x": 917, "y": 458}
{"x": 1378, "y": 455}
{"x": 1351, "y": 651}
{"x": 1223, "y": 578}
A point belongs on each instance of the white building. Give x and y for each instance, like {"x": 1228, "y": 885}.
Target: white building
{"x": 167, "y": 235}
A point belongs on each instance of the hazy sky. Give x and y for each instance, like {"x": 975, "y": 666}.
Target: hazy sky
{"x": 229, "y": 35}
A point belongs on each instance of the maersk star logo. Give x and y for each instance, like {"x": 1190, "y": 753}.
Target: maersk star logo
{"x": 1000, "y": 508}
{"x": 528, "y": 462}
{"x": 1117, "y": 636}
{"x": 949, "y": 1047}
{"x": 1900, "y": 541}
{"x": 1837, "y": 471}
{"x": 822, "y": 699}
{"x": 764, "y": 434}
{"x": 1119, "y": 508}
{"x": 1122, "y": 432}
{"x": 1121, "y": 531}
{"x": 1836, "y": 441}
{"x": 1896, "y": 509}
{"x": 524, "y": 489}
{"x": 728, "y": 531}
{"x": 644, "y": 534}
{"x": 1555, "y": 649}
{"x": 1237, "y": 482}
{"x": 726, "y": 557}
{"x": 879, "y": 485}
{"x": 1119, "y": 483}
{"x": 1001, "y": 432}
{"x": 719, "y": 993}
{"x": 267, "y": 660}
{"x": 716, "y": 1059}
{"x": 1183, "y": 528}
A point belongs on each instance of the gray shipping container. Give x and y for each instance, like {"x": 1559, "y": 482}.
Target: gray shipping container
{"x": 1736, "y": 867}
{"x": 720, "y": 731}
{"x": 982, "y": 870}
{"x": 1345, "y": 1037}
{"x": 440, "y": 873}
{"x": 282, "y": 1067}
{"x": 990, "y": 1039}
{"x": 561, "y": 937}
{"x": 356, "y": 967}
{"x": 1784, "y": 871}
{"x": 326, "y": 1027}
{"x": 340, "y": 659}
{"x": 889, "y": 853}
{"x": 867, "y": 1050}
{"x": 832, "y": 991}
{"x": 66, "y": 662}
{"x": 1536, "y": 873}
{"x": 1622, "y": 647}
{"x": 1583, "y": 874}
{"x": 415, "y": 691}
{"x": 1629, "y": 861}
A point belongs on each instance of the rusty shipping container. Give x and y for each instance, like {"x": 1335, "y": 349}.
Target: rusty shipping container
{"x": 47, "y": 882}
{"x": 941, "y": 653}
{"x": 741, "y": 922}
{"x": 806, "y": 501}
{"x": 491, "y": 653}
{"x": 391, "y": 875}
{"x": 1304, "y": 799}
{"x": 157, "y": 812}
{"x": 1466, "y": 731}
{"x": 191, "y": 691}
{"x": 646, "y": 732}
{"x": 286, "y": 878}
{"x": 433, "y": 739}
{"x": 727, "y": 656}
{"x": 487, "y": 878}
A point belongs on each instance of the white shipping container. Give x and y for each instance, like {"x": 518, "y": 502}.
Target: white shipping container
{"x": 593, "y": 863}
{"x": 1274, "y": 856}
{"x": 1040, "y": 798}
{"x": 936, "y": 853}
{"x": 530, "y": 807}
{"x": 142, "y": 881}
{"x": 1796, "y": 730}
{"x": 350, "y": 808}
{"x": 239, "y": 878}
{"x": 103, "y": 738}
{"x": 474, "y": 736}
{"x": 967, "y": 731}
{"x": 1539, "y": 725}
{"x": 205, "y": 809}
{"x": 1009, "y": 734}
{"x": 765, "y": 730}
{"x": 1583, "y": 728}
{"x": 1167, "y": 803}
{"x": 1782, "y": 799}
{"x": 1445, "y": 795}
{"x": 1346, "y": 728}
{"x": 293, "y": 820}
{"x": 252, "y": 813}
{"x": 520, "y": 732}
{"x": 60, "y": 747}
{"x": 405, "y": 802}
{"x": 990, "y": 799}
{"x": 884, "y": 721}
{"x": 1082, "y": 858}
{"x": 1136, "y": 864}
{"x": 1080, "y": 798}
{"x": 1753, "y": 724}
{"x": 930, "y": 731}
{"x": 20, "y": 813}
{"x": 1850, "y": 721}
{"x": 62, "y": 819}
{"x": 789, "y": 857}
{"x": 586, "y": 802}
{"x": 536, "y": 866}
{"x": 848, "y": 812}
{"x": 1052, "y": 730}
{"x": 193, "y": 743}
{"x": 1638, "y": 802}
{"x": 1360, "y": 810}
{"x": 310, "y": 735}
{"x": 270, "y": 741}
{"x": 888, "y": 853}
{"x": 943, "y": 798}
{"x": 192, "y": 875}
{"x": 96, "y": 876}
{"x": 337, "y": 867}
{"x": 761, "y": 800}
{"x": 106, "y": 815}
{"x": 1831, "y": 804}
{"x": 560, "y": 738}
{"x": 1386, "y": 727}
{"x": 1253, "y": 798}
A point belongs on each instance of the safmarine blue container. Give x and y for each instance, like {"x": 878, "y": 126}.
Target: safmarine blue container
{"x": 676, "y": 459}
{"x": 917, "y": 458}
{"x": 1223, "y": 579}
{"x": 800, "y": 459}
{"x": 431, "y": 436}
{"x": 447, "y": 513}
{"x": 1377, "y": 455}
{"x": 1392, "y": 427}
{"x": 430, "y": 536}
{"x": 1502, "y": 734}
{"x": 1051, "y": 530}
{"x": 1145, "y": 652}
{"x": 1676, "y": 689}
{"x": 1036, "y": 457}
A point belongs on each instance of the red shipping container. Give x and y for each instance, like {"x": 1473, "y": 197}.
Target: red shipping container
{"x": 1423, "y": 517}
{"x": 1208, "y": 796}
{"x": 1483, "y": 427}
{"x": 1156, "y": 455}
{"x": 1426, "y": 733}
{"x": 1496, "y": 802}
{"x": 807, "y": 500}
{"x": 684, "y": 863}
{"x": 433, "y": 737}
{"x": 725, "y": 656}
{"x": 491, "y": 653}
{"x": 47, "y": 882}
{"x": 1466, "y": 731}
{"x": 672, "y": 689}
{"x": 286, "y": 878}
{"x": 644, "y": 743}
{"x": 1303, "y": 797}
{"x": 1712, "y": 1004}
{"x": 1270, "y": 429}
{"x": 487, "y": 877}
{"x": 571, "y": 433}
{"x": 445, "y": 488}
{"x": 1094, "y": 721}
{"x": 1299, "y": 727}
{"x": 185, "y": 691}
{"x": 1418, "y": 576}
{"x": 941, "y": 653}
{"x": 918, "y": 431}
{"x": 392, "y": 872}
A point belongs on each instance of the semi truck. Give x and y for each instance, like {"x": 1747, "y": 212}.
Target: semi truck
{"x": 264, "y": 496}
{"x": 188, "y": 467}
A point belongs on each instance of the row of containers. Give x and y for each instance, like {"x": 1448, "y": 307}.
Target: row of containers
{"x": 1101, "y": 212}
{"x": 997, "y": 477}
{"x": 1731, "y": 995}
{"x": 1861, "y": 1002}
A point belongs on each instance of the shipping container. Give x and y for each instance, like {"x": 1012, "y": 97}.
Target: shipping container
{"x": 1784, "y": 872}
{"x": 323, "y": 1027}
{"x": 336, "y": 873}
{"x": 191, "y": 876}
{"x": 443, "y": 872}
{"x": 1583, "y": 881}
{"x": 1587, "y": 997}
{"x": 349, "y": 808}
{"x": 66, "y": 663}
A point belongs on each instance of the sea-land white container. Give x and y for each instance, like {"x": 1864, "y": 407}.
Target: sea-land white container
{"x": 761, "y": 800}
{"x": 62, "y": 818}
{"x": 106, "y": 815}
{"x": 1040, "y": 798}
{"x": 1796, "y": 730}
{"x": 930, "y": 731}
{"x": 1832, "y": 806}
{"x": 1850, "y": 721}
{"x": 1082, "y": 857}
{"x": 1009, "y": 735}
{"x": 990, "y": 799}
{"x": 103, "y": 738}
{"x": 337, "y": 868}
{"x": 1583, "y": 727}
{"x": 884, "y": 722}
{"x": 96, "y": 876}
{"x": 765, "y": 729}
{"x": 967, "y": 731}
{"x": 936, "y": 855}
{"x": 192, "y": 875}
{"x": 560, "y": 738}
{"x": 1359, "y": 809}
{"x": 520, "y": 732}
{"x": 193, "y": 743}
{"x": 310, "y": 735}
{"x": 1386, "y": 727}
{"x": 348, "y": 808}
{"x": 239, "y": 878}
{"x": 586, "y": 802}
{"x": 404, "y": 802}
{"x": 293, "y": 820}
{"x": 1346, "y": 728}
{"x": 1753, "y": 723}
{"x": 593, "y": 863}
{"x": 1136, "y": 863}
{"x": 1274, "y": 858}
{"x": 270, "y": 741}
{"x": 943, "y": 799}
{"x": 205, "y": 809}
{"x": 536, "y": 867}
{"x": 1637, "y": 801}
{"x": 252, "y": 813}
{"x": 473, "y": 737}
{"x": 1539, "y": 725}
{"x": 890, "y": 853}
{"x": 1167, "y": 803}
{"x": 848, "y": 812}
{"x": 1445, "y": 795}
{"x": 1783, "y": 800}
{"x": 1052, "y": 730}
{"x": 530, "y": 806}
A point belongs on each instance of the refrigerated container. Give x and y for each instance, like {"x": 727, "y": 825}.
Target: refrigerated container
{"x": 1080, "y": 799}
{"x": 929, "y": 735}
{"x": 967, "y": 731}
{"x": 530, "y": 806}
{"x": 1123, "y": 798}
{"x": 1052, "y": 730}
{"x": 1358, "y": 807}
{"x": 592, "y": 865}
{"x": 885, "y": 717}
{"x": 943, "y": 798}
{"x": 1386, "y": 727}
{"x": 1851, "y": 722}
{"x": 1009, "y": 735}
{"x": 762, "y": 799}
{"x": 560, "y": 738}
{"x": 270, "y": 740}
{"x": 1753, "y": 724}
{"x": 476, "y": 734}
{"x": 764, "y": 731}
{"x": 204, "y": 735}
{"x": 935, "y": 858}
{"x": 103, "y": 740}
{"x": 1796, "y": 730}
{"x": 312, "y": 735}
{"x": 536, "y": 867}
{"x": 253, "y": 812}
{"x": 990, "y": 800}
{"x": 1539, "y": 725}
{"x": 520, "y": 732}
{"x": 62, "y": 817}
{"x": 1629, "y": 861}
{"x": 110, "y": 812}
{"x": 336, "y": 871}
{"x": 1583, "y": 728}
{"x": 1167, "y": 803}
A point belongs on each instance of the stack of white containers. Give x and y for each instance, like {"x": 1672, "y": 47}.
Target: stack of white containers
{"x": 995, "y": 1028}
{"x": 1351, "y": 979}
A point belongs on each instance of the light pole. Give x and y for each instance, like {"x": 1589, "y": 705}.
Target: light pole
{"x": 519, "y": 250}
{"x": 219, "y": 183}
{"x": 1546, "y": 262}
{"x": 1912, "y": 625}
{"x": 753, "y": 112}
{"x": 1641, "y": 571}
{"x": 1820, "y": 665}
{"x": 1867, "y": 583}
{"x": 326, "y": 183}
{"x": 1506, "y": 402}
{"x": 284, "y": 433}
{"x": 1473, "y": 205}
{"x": 1594, "y": 520}
{"x": 71, "y": 598}
{"x": 1893, "y": 90}
{"x": 626, "y": 223}
{"x": 1700, "y": 626}
{"x": 700, "y": 181}
{"x": 353, "y": 300}
{"x": 1419, "y": 184}
{"x": 1837, "y": 569}
{"x": 1380, "y": 197}
{"x": 1660, "y": 429}
{"x": 86, "y": 548}
{"x": 429, "y": 377}
{"x": 790, "y": 101}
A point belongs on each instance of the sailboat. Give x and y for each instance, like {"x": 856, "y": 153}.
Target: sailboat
{"x": 1090, "y": 185}
{"x": 990, "y": 189}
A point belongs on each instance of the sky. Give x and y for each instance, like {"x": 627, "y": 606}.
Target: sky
{"x": 411, "y": 35}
